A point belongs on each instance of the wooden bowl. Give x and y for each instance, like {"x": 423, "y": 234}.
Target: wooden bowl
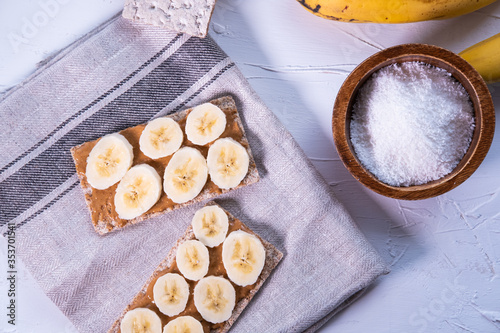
{"x": 462, "y": 71}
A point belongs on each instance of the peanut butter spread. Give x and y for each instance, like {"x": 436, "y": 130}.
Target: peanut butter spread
{"x": 101, "y": 202}
{"x": 144, "y": 299}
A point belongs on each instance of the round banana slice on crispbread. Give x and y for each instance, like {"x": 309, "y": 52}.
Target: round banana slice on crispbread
{"x": 141, "y": 320}
{"x": 185, "y": 175}
{"x": 137, "y": 192}
{"x": 214, "y": 298}
{"x": 171, "y": 293}
{"x": 193, "y": 259}
{"x": 161, "y": 137}
{"x": 210, "y": 225}
{"x": 108, "y": 161}
{"x": 205, "y": 123}
{"x": 243, "y": 256}
{"x": 228, "y": 163}
{"x": 183, "y": 324}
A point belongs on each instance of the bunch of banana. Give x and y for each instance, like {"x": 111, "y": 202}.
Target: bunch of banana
{"x": 485, "y": 58}
{"x": 391, "y": 11}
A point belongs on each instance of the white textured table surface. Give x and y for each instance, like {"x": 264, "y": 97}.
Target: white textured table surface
{"x": 444, "y": 252}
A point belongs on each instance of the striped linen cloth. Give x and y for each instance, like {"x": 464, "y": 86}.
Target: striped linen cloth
{"x": 123, "y": 74}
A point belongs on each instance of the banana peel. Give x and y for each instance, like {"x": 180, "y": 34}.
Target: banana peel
{"x": 485, "y": 58}
{"x": 391, "y": 11}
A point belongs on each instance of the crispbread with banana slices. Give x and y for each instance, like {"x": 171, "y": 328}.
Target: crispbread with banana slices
{"x": 144, "y": 298}
{"x": 191, "y": 17}
{"x": 101, "y": 202}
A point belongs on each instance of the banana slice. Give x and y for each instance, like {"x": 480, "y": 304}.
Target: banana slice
{"x": 137, "y": 192}
{"x": 108, "y": 161}
{"x": 184, "y": 324}
{"x": 141, "y": 320}
{"x": 205, "y": 123}
{"x": 171, "y": 293}
{"x": 185, "y": 175}
{"x": 210, "y": 225}
{"x": 243, "y": 256}
{"x": 214, "y": 298}
{"x": 227, "y": 162}
{"x": 161, "y": 137}
{"x": 192, "y": 259}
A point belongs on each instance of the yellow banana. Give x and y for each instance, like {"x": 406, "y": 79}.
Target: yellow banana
{"x": 391, "y": 11}
{"x": 485, "y": 58}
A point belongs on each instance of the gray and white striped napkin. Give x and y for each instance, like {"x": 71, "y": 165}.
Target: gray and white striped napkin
{"x": 123, "y": 74}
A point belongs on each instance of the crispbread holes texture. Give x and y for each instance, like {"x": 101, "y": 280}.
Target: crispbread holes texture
{"x": 187, "y": 16}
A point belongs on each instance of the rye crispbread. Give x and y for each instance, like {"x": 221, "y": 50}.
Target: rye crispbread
{"x": 273, "y": 257}
{"x": 100, "y": 202}
{"x": 191, "y": 17}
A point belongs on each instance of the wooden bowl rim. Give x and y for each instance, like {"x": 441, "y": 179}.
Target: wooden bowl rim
{"x": 479, "y": 94}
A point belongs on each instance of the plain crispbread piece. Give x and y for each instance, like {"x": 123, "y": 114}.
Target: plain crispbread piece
{"x": 273, "y": 257}
{"x": 187, "y": 16}
{"x": 100, "y": 202}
